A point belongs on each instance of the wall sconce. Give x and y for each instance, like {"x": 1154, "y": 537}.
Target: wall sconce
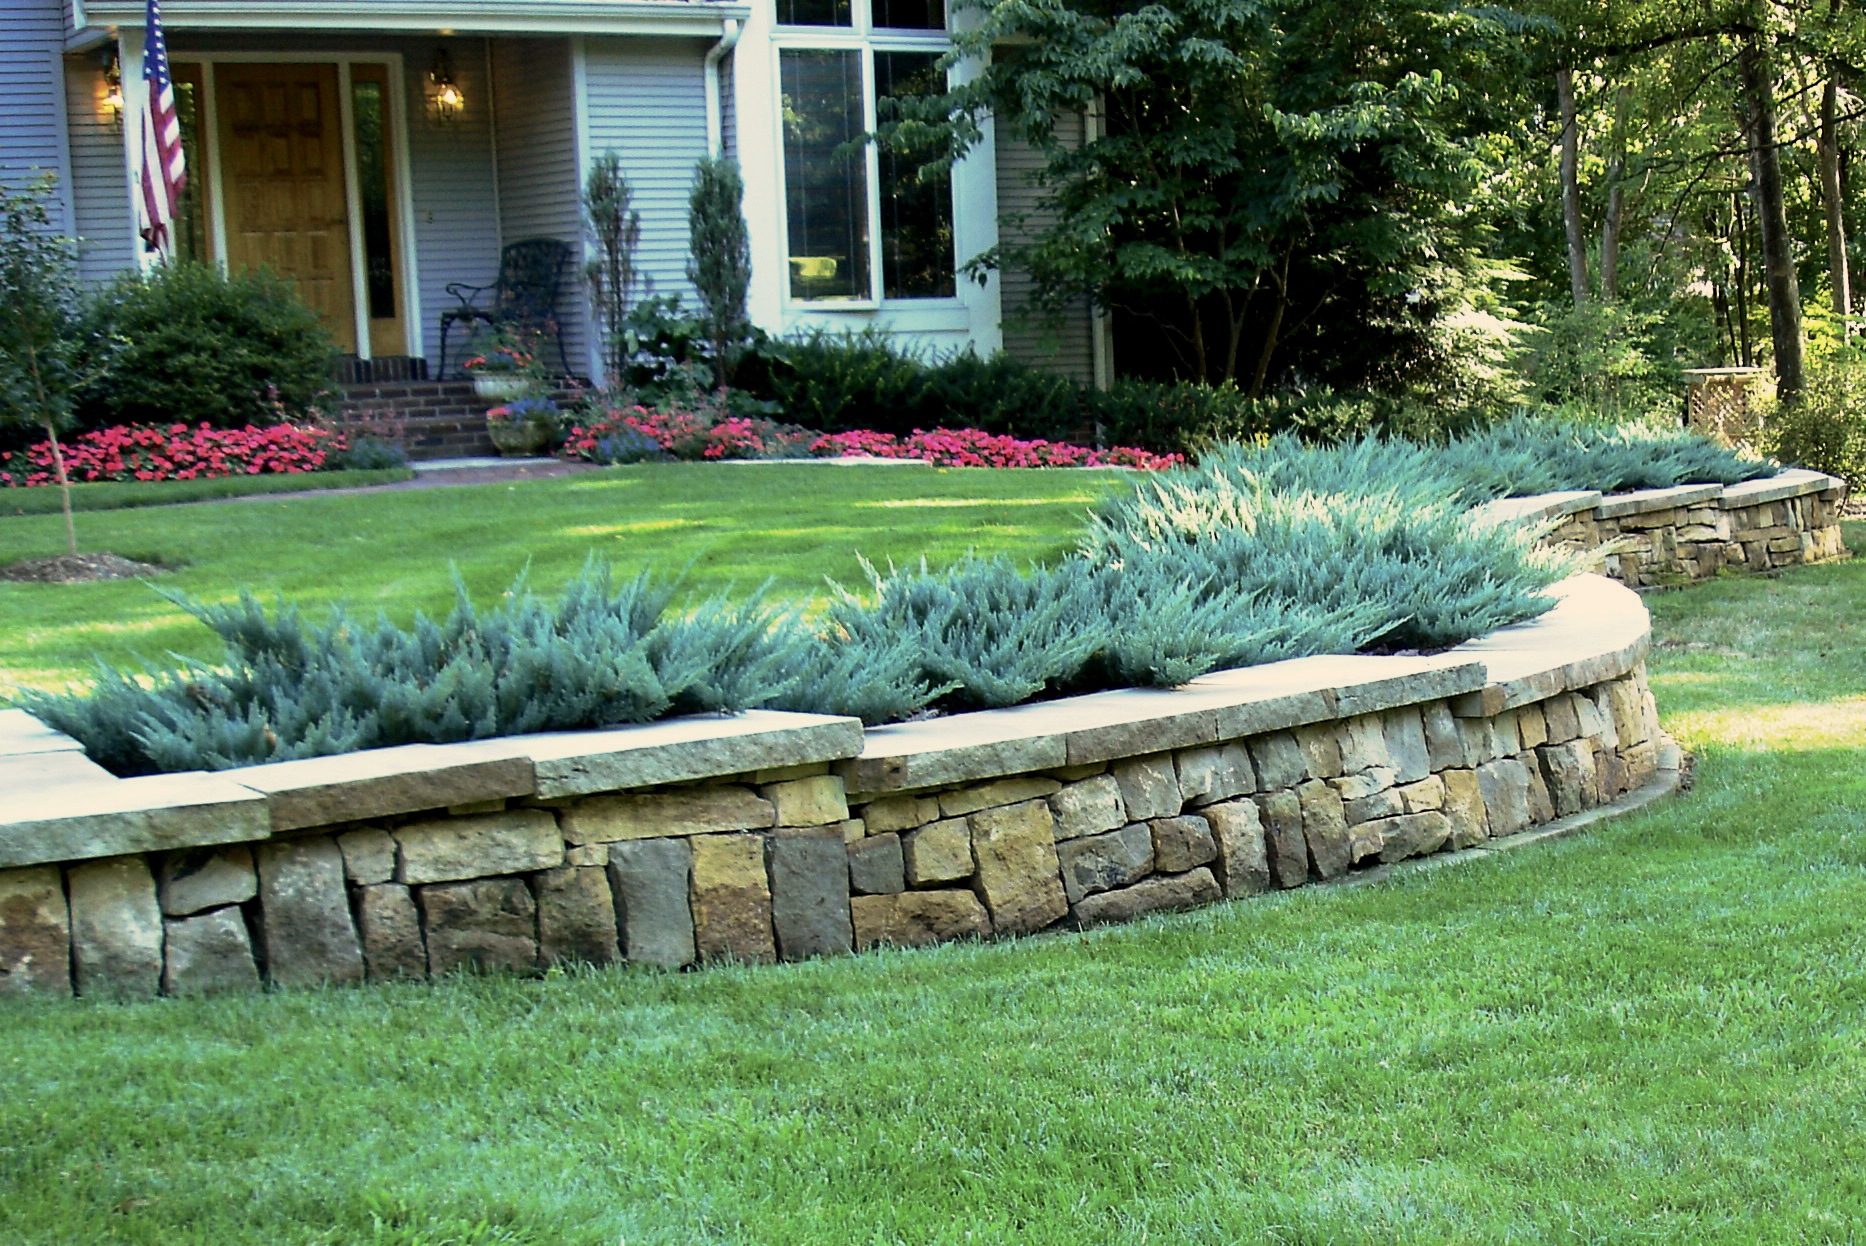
{"x": 113, "y": 86}
{"x": 449, "y": 100}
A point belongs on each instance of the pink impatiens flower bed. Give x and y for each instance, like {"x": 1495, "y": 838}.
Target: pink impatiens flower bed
{"x": 174, "y": 452}
{"x": 685, "y": 435}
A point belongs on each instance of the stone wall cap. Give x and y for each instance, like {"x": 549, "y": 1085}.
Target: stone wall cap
{"x": 1794, "y": 483}
{"x": 121, "y": 816}
{"x": 1129, "y": 722}
{"x": 1638, "y": 501}
{"x": 21, "y": 734}
{"x": 379, "y": 783}
{"x": 681, "y": 750}
{"x": 1539, "y": 507}
{"x": 1598, "y": 630}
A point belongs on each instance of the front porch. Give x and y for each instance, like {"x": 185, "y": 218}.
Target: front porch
{"x": 377, "y": 169}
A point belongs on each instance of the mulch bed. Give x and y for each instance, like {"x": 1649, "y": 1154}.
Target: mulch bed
{"x": 78, "y": 569}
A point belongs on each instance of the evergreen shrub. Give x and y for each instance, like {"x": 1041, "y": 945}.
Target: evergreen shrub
{"x": 188, "y": 343}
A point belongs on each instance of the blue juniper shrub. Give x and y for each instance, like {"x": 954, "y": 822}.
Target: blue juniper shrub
{"x": 1263, "y": 552}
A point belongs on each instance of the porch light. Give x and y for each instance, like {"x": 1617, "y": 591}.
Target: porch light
{"x": 449, "y": 101}
{"x": 113, "y": 85}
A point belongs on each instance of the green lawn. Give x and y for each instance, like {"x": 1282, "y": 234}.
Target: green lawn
{"x": 1655, "y": 1031}
{"x": 132, "y": 495}
{"x": 727, "y": 525}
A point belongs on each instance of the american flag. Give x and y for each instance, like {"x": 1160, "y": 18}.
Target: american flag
{"x": 164, "y": 172}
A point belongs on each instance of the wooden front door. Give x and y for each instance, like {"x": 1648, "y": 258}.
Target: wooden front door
{"x": 287, "y": 206}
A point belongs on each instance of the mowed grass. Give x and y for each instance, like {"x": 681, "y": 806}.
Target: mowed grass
{"x": 1655, "y": 1031}
{"x": 724, "y": 526}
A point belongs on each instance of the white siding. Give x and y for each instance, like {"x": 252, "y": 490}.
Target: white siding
{"x": 539, "y": 169}
{"x": 99, "y": 177}
{"x": 647, "y": 103}
{"x": 32, "y": 37}
{"x": 1062, "y": 344}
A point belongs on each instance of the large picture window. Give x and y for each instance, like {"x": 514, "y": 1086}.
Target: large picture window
{"x": 863, "y": 225}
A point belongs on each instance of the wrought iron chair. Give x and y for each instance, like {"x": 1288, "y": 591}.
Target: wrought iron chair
{"x": 531, "y": 273}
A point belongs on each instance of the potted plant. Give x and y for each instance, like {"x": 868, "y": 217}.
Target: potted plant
{"x": 523, "y": 427}
{"x": 505, "y": 365}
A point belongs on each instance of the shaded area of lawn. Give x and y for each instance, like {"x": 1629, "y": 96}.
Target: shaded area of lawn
{"x": 724, "y": 525}
{"x": 1649, "y": 1032}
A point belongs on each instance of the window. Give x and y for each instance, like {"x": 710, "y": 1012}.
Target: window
{"x": 862, "y": 224}
{"x": 369, "y": 119}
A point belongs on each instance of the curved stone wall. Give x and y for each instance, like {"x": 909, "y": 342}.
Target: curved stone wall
{"x": 782, "y": 836}
{"x": 1655, "y": 537}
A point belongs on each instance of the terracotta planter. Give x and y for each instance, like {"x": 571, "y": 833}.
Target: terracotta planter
{"x": 500, "y": 386}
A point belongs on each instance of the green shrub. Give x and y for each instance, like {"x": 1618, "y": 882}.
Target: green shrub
{"x": 186, "y": 343}
{"x": 1826, "y": 429}
{"x": 367, "y": 454}
{"x": 1185, "y": 418}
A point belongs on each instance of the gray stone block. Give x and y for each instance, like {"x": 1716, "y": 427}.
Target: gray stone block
{"x": 368, "y": 855}
{"x": 391, "y": 931}
{"x": 1444, "y": 743}
{"x": 1364, "y": 744}
{"x": 208, "y": 954}
{"x": 1149, "y": 787}
{"x": 1405, "y": 737}
{"x": 116, "y": 928}
{"x": 577, "y": 916}
{"x": 1088, "y": 808}
{"x": 810, "y": 894}
{"x": 35, "y": 931}
{"x": 1215, "y": 772}
{"x": 1504, "y": 786}
{"x": 517, "y": 841}
{"x": 652, "y": 881}
{"x": 206, "y": 878}
{"x": 1182, "y": 843}
{"x": 1159, "y": 894}
{"x": 1102, "y": 862}
{"x": 877, "y": 866}
{"x": 1283, "y": 839}
{"x": 1325, "y": 827}
{"x": 1279, "y": 760}
{"x": 304, "y": 924}
{"x": 490, "y": 924}
{"x": 1573, "y": 779}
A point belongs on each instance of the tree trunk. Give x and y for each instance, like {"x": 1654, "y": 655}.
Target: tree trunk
{"x": 1571, "y": 185}
{"x": 1746, "y": 349}
{"x": 1772, "y": 218}
{"x": 1616, "y": 200}
{"x": 64, "y": 490}
{"x": 1831, "y": 191}
{"x": 1271, "y": 334}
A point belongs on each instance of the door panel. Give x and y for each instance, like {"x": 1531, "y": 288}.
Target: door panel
{"x": 281, "y": 147}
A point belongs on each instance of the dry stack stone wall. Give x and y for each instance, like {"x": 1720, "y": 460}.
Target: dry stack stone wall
{"x": 1668, "y": 536}
{"x": 661, "y": 846}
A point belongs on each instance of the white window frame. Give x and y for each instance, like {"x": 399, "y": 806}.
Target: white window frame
{"x": 865, "y": 39}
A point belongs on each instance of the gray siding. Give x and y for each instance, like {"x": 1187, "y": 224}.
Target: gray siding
{"x": 32, "y": 39}
{"x": 539, "y": 168}
{"x": 100, "y": 194}
{"x": 728, "y": 107}
{"x": 1062, "y": 344}
{"x": 647, "y": 102}
{"x": 456, "y": 205}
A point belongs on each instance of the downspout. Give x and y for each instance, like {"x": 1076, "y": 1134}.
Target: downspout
{"x": 715, "y": 107}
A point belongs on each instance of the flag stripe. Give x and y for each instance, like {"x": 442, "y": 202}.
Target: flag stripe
{"x": 163, "y": 172}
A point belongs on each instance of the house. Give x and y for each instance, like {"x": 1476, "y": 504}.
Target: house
{"x": 377, "y": 151}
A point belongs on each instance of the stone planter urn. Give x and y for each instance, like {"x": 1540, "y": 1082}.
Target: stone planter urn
{"x": 500, "y": 386}
{"x": 517, "y": 439}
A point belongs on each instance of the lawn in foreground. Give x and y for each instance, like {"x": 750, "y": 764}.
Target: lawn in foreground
{"x": 725, "y": 525}
{"x": 1652, "y": 1031}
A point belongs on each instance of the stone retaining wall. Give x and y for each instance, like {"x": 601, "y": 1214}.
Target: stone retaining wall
{"x": 772, "y": 837}
{"x": 1692, "y": 532}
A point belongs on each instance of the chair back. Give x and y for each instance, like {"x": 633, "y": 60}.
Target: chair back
{"x": 530, "y": 275}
